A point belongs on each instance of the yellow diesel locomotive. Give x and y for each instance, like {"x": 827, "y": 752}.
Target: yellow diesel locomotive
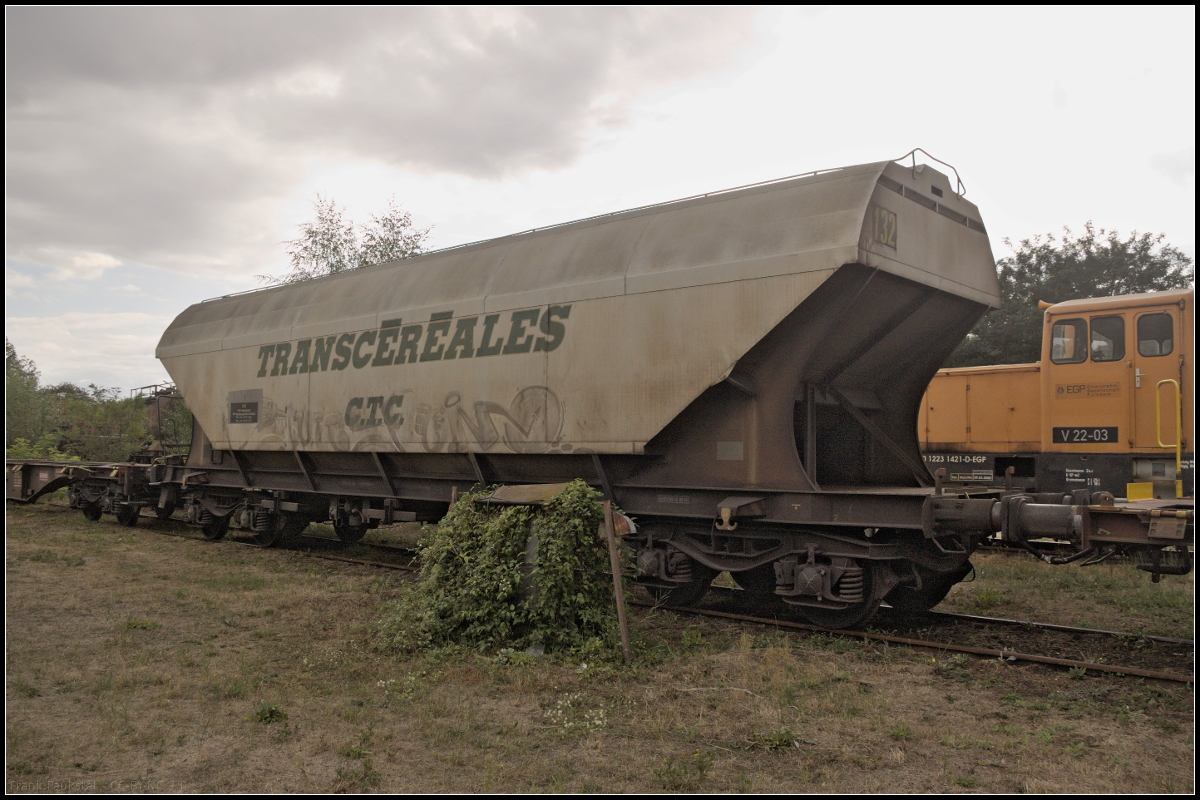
{"x": 1108, "y": 408}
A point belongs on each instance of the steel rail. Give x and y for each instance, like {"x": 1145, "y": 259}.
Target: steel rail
{"x": 982, "y": 651}
{"x": 362, "y": 562}
{"x": 1064, "y": 628}
{"x": 305, "y": 553}
{"x": 731, "y": 592}
{"x": 311, "y": 554}
{"x": 334, "y": 540}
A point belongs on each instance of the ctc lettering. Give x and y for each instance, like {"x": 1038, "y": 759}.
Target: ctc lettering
{"x": 371, "y": 412}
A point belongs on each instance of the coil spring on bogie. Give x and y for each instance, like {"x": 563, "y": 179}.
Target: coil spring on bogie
{"x": 262, "y": 520}
{"x": 679, "y": 566}
{"x": 205, "y": 516}
{"x": 850, "y": 587}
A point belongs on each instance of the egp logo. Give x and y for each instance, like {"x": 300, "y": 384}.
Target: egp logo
{"x": 1073, "y": 389}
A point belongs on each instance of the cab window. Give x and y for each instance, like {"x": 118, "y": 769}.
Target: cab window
{"x": 1067, "y": 340}
{"x": 1156, "y": 335}
{"x": 1108, "y": 338}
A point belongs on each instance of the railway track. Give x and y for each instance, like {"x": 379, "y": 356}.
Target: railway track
{"x": 1049, "y": 626}
{"x": 1156, "y": 657}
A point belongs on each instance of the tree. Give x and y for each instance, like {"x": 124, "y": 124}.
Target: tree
{"x": 332, "y": 244}
{"x": 1097, "y": 264}
{"x": 67, "y": 421}
{"x": 98, "y": 424}
{"x": 28, "y": 412}
{"x": 44, "y": 449}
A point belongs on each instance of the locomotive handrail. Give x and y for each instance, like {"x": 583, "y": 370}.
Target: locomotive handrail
{"x": 1178, "y": 445}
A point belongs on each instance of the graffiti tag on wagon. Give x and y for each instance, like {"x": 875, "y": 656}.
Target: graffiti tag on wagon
{"x": 531, "y": 423}
{"x": 533, "y": 330}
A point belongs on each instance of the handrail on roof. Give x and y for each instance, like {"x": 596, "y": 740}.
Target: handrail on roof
{"x": 628, "y": 210}
{"x": 961, "y": 186}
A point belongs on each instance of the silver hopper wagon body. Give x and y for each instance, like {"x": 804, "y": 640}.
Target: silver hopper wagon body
{"x": 741, "y": 372}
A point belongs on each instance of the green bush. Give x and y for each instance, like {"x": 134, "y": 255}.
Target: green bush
{"x": 45, "y": 449}
{"x": 472, "y": 591}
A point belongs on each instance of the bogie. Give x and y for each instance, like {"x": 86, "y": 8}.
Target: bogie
{"x": 859, "y": 599}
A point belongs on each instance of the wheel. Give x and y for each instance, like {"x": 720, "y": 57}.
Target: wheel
{"x": 850, "y": 616}
{"x": 909, "y": 603}
{"x": 284, "y": 525}
{"x": 128, "y": 516}
{"x": 841, "y": 618}
{"x": 685, "y": 594}
{"x": 165, "y": 512}
{"x": 215, "y": 528}
{"x": 293, "y": 525}
{"x": 92, "y": 512}
{"x": 272, "y": 536}
{"x": 350, "y": 534}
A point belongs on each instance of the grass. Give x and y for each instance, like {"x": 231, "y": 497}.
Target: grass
{"x": 267, "y": 713}
{"x": 140, "y": 625}
{"x": 216, "y": 668}
{"x": 1112, "y": 596}
{"x": 684, "y": 774}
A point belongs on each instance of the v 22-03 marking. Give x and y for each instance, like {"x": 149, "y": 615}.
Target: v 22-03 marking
{"x": 1085, "y": 435}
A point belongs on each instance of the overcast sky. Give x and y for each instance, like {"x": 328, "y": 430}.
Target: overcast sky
{"x": 155, "y": 157}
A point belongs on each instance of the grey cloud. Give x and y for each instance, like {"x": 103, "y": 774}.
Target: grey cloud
{"x": 469, "y": 91}
{"x": 490, "y": 99}
{"x": 146, "y": 47}
{"x": 142, "y": 133}
{"x": 140, "y": 180}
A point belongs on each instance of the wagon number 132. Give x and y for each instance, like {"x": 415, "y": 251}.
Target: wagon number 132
{"x": 885, "y": 227}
